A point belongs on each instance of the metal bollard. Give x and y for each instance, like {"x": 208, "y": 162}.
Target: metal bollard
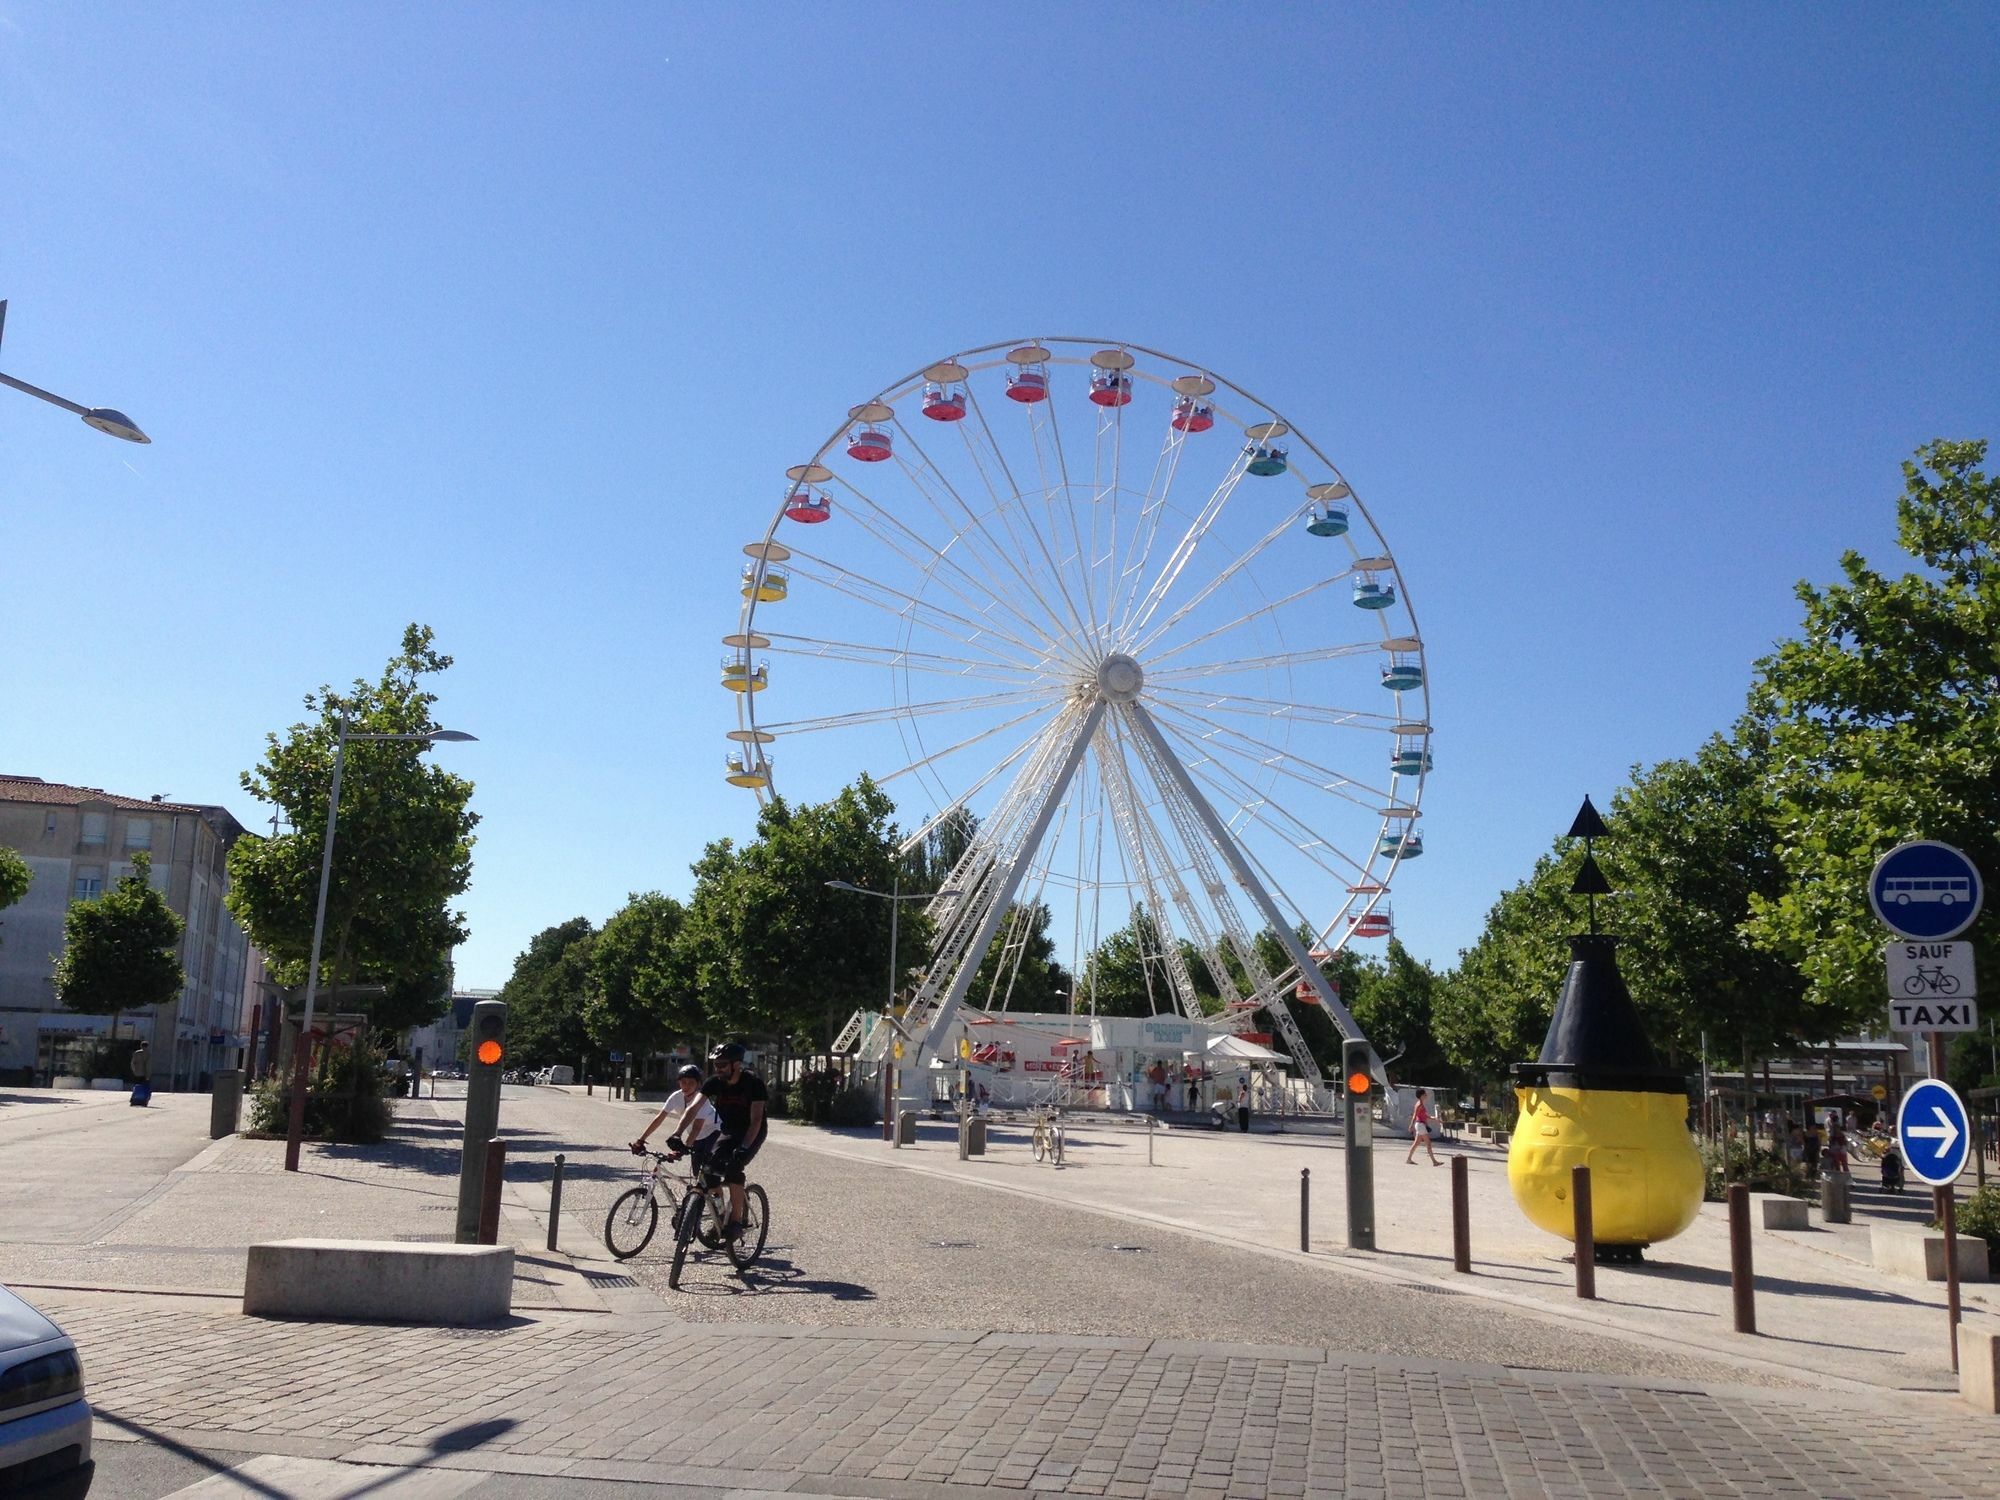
{"x": 489, "y": 1197}
{"x": 1150, "y": 1122}
{"x": 1742, "y": 1279}
{"x": 1305, "y": 1210}
{"x": 1834, "y": 1207}
{"x": 1585, "y": 1234}
{"x": 555, "y": 1200}
{"x": 1461, "y": 1217}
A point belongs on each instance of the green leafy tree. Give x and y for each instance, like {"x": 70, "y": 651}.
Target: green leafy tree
{"x": 1395, "y": 1007}
{"x": 14, "y": 878}
{"x": 402, "y": 847}
{"x": 547, "y": 995}
{"x": 1126, "y": 974}
{"x": 769, "y": 949}
{"x": 642, "y": 994}
{"x": 119, "y": 949}
{"x": 1883, "y": 719}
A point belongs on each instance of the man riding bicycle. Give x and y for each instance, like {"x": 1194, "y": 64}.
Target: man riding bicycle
{"x": 738, "y": 1096}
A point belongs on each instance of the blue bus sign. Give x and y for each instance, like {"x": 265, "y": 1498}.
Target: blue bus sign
{"x": 1931, "y": 1127}
{"x": 1925, "y": 890}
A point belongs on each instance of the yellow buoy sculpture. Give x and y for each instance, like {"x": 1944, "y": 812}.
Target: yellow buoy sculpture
{"x": 1598, "y": 1097}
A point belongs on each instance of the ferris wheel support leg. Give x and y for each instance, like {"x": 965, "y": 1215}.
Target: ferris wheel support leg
{"x": 1252, "y": 887}
{"x": 996, "y": 912}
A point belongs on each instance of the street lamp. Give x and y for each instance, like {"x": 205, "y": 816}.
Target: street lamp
{"x": 103, "y": 418}
{"x": 295, "y": 1133}
{"x": 895, "y": 896}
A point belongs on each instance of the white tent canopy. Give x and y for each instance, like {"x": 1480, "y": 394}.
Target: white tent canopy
{"x": 1236, "y": 1049}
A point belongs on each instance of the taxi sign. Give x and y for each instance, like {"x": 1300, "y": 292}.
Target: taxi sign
{"x": 1932, "y": 1128}
{"x": 1924, "y": 890}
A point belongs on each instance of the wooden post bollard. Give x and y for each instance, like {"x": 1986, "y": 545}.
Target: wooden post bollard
{"x": 1586, "y": 1234}
{"x": 1742, "y": 1280}
{"x": 1461, "y": 1217}
{"x": 555, "y": 1200}
{"x": 489, "y": 1196}
{"x": 1305, "y": 1209}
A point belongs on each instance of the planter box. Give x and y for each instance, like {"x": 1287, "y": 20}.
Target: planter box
{"x": 108, "y": 1085}
{"x": 385, "y": 1280}
{"x": 70, "y": 1081}
{"x": 1776, "y": 1211}
{"x": 1979, "y": 1368}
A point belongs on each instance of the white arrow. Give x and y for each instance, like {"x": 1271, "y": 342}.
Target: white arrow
{"x": 1943, "y": 1131}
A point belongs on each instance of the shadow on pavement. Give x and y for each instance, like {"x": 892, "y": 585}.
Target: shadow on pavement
{"x": 192, "y": 1455}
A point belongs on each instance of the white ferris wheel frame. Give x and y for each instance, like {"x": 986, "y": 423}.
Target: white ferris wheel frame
{"x": 990, "y": 875}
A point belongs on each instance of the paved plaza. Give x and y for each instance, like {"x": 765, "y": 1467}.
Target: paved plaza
{"x": 925, "y": 1328}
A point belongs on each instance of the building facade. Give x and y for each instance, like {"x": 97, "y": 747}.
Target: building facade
{"x": 78, "y": 842}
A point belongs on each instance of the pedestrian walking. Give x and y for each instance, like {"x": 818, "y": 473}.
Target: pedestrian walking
{"x": 1836, "y": 1142}
{"x": 1420, "y": 1132}
{"x": 1810, "y": 1150}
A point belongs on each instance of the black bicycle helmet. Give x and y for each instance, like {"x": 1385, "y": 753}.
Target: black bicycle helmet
{"x": 727, "y": 1052}
{"x": 689, "y": 1071}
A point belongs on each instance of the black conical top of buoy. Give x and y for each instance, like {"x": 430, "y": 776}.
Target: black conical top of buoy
{"x": 1596, "y": 1040}
{"x": 1588, "y": 824}
{"x": 1589, "y": 880}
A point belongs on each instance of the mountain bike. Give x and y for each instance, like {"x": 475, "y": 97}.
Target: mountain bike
{"x": 629, "y": 1227}
{"x": 703, "y": 1217}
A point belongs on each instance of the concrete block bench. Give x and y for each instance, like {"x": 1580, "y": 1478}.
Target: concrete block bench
{"x": 386, "y": 1280}
{"x": 1776, "y": 1211}
{"x": 1919, "y": 1253}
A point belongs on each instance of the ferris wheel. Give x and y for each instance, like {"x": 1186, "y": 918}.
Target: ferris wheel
{"x": 1134, "y": 623}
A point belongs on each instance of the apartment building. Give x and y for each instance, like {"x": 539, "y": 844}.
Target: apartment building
{"x": 78, "y": 841}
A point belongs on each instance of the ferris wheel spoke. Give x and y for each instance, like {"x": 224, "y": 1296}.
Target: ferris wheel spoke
{"x": 1208, "y": 733}
{"x": 1284, "y": 528}
{"x": 1277, "y": 659}
{"x": 903, "y": 657}
{"x": 1067, "y": 493}
{"x": 1295, "y": 832}
{"x": 1275, "y": 708}
{"x": 1184, "y": 549}
{"x": 883, "y": 715}
{"x": 886, "y": 526}
{"x": 967, "y": 528}
{"x": 1154, "y": 658}
{"x": 904, "y": 606}
{"x": 1133, "y": 570}
{"x": 1035, "y": 711}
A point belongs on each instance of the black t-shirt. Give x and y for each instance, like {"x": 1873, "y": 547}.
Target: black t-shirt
{"x": 732, "y": 1103}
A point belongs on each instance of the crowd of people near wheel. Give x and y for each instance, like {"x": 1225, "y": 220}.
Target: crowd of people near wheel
{"x": 1829, "y": 1143}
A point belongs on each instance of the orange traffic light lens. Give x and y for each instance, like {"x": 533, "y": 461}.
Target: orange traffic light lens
{"x": 1357, "y": 1083}
{"x": 490, "y": 1052}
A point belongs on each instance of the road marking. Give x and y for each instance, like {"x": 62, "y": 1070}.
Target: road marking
{"x": 323, "y": 1479}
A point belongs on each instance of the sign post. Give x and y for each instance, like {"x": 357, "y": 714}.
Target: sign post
{"x": 1934, "y": 1132}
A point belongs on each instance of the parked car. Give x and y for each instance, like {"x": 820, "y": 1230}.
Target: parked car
{"x": 44, "y": 1419}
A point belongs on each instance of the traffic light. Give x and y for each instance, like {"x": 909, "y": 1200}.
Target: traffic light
{"x": 1356, "y": 1066}
{"x": 487, "y": 1049}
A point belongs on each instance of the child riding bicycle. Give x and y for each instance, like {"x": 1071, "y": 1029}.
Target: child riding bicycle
{"x": 699, "y": 1127}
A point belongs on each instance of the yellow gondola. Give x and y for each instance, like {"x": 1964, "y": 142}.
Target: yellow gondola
{"x": 766, "y": 586}
{"x": 743, "y": 771}
{"x": 738, "y": 676}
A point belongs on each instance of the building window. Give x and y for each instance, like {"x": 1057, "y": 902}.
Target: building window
{"x": 96, "y": 827}
{"x": 138, "y": 833}
{"x": 89, "y": 883}
{"x": 49, "y": 824}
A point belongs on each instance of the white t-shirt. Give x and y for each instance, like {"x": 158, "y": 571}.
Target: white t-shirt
{"x": 705, "y": 1122}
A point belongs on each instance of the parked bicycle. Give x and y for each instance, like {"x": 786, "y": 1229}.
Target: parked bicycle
{"x": 1048, "y": 1137}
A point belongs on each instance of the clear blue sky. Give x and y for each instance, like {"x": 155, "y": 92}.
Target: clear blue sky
{"x": 501, "y": 317}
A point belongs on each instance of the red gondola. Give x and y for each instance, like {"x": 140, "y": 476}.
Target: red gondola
{"x": 1191, "y": 415}
{"x": 869, "y": 444}
{"x": 1110, "y": 388}
{"x": 806, "y": 507}
{"x": 1028, "y": 386}
{"x": 944, "y": 402}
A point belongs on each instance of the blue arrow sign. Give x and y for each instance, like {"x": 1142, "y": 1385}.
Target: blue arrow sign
{"x": 1932, "y": 1129}
{"x": 1925, "y": 890}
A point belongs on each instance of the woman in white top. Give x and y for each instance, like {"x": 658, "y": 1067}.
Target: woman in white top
{"x": 698, "y": 1125}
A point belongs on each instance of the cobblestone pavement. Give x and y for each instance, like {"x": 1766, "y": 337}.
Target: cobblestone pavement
{"x": 903, "y": 1412}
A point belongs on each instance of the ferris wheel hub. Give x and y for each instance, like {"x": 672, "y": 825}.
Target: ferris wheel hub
{"x": 1119, "y": 678}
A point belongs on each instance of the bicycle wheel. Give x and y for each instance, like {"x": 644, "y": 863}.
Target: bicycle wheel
{"x": 1915, "y": 985}
{"x": 743, "y": 1252}
{"x": 1041, "y": 1143}
{"x": 628, "y": 1228}
{"x": 686, "y": 1227}
{"x": 1947, "y": 984}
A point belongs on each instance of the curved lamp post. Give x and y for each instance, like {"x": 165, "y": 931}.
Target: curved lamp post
{"x": 296, "y": 1129}
{"x": 103, "y": 418}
